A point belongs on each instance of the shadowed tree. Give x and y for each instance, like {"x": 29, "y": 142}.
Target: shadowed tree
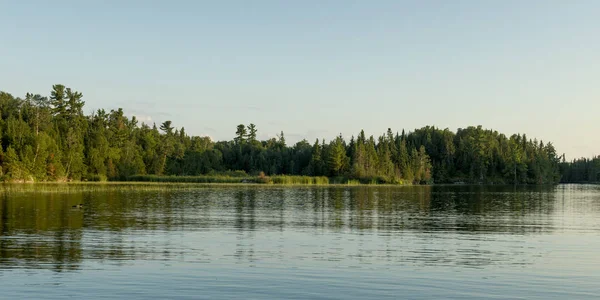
{"x": 51, "y": 139}
{"x": 240, "y": 134}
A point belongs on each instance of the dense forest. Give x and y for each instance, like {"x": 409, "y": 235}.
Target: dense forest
{"x": 581, "y": 170}
{"x": 50, "y": 139}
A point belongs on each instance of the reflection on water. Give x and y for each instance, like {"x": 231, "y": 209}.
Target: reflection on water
{"x": 469, "y": 226}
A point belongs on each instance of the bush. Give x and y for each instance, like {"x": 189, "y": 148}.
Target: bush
{"x": 97, "y": 178}
{"x": 190, "y": 179}
{"x": 301, "y": 180}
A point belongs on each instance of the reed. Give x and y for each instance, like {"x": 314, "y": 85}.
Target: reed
{"x": 192, "y": 179}
{"x": 299, "y": 180}
{"x": 79, "y": 187}
{"x": 353, "y": 182}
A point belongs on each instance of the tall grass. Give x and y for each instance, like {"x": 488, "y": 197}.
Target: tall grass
{"x": 368, "y": 181}
{"x": 237, "y": 173}
{"x": 277, "y": 179}
{"x": 192, "y": 179}
{"x": 237, "y": 177}
{"x": 78, "y": 187}
{"x": 353, "y": 182}
{"x": 302, "y": 180}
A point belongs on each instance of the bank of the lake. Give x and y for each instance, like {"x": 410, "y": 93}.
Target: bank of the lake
{"x": 263, "y": 179}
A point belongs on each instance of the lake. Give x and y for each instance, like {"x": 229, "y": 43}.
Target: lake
{"x": 272, "y": 242}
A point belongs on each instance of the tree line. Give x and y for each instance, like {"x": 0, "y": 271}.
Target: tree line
{"x": 50, "y": 139}
{"x": 581, "y": 170}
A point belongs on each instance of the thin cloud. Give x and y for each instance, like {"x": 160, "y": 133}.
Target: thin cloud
{"x": 141, "y": 117}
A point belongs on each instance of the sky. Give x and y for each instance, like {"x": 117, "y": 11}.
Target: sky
{"x": 317, "y": 69}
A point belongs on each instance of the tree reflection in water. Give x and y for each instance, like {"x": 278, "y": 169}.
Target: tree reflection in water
{"x": 423, "y": 225}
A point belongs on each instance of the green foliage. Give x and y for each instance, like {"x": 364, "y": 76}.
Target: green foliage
{"x": 299, "y": 180}
{"x": 50, "y": 139}
{"x": 241, "y": 134}
{"x": 353, "y": 182}
{"x": 97, "y": 178}
{"x": 190, "y": 179}
{"x": 337, "y": 161}
{"x": 581, "y": 170}
{"x": 251, "y": 133}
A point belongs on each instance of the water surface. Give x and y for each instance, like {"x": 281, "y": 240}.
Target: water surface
{"x": 257, "y": 242}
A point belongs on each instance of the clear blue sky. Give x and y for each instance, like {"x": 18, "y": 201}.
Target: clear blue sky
{"x": 319, "y": 68}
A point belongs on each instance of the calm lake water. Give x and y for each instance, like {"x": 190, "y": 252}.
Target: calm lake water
{"x": 248, "y": 242}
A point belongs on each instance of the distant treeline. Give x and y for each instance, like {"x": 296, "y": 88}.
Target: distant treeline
{"x": 583, "y": 170}
{"x": 50, "y": 139}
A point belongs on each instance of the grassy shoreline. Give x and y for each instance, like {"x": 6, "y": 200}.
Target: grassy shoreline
{"x": 137, "y": 186}
{"x": 241, "y": 180}
{"x": 261, "y": 180}
{"x": 141, "y": 186}
{"x": 277, "y": 180}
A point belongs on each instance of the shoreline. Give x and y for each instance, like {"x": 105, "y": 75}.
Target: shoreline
{"x": 156, "y": 183}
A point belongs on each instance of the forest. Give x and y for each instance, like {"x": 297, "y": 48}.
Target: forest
{"x": 49, "y": 138}
{"x": 582, "y": 170}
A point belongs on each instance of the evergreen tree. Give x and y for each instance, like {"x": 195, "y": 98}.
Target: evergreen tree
{"x": 240, "y": 134}
{"x": 50, "y": 139}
